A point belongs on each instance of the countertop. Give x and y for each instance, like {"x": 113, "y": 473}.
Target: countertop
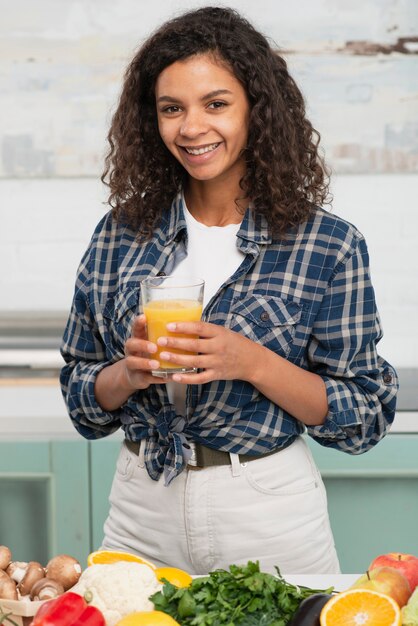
{"x": 340, "y": 582}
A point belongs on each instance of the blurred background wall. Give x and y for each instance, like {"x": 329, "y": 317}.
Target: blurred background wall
{"x": 61, "y": 64}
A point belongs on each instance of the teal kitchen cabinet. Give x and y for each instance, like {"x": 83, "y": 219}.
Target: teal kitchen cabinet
{"x": 45, "y": 499}
{"x": 54, "y": 497}
{"x": 104, "y": 453}
{"x": 372, "y": 499}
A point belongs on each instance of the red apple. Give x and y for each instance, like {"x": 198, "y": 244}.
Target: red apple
{"x": 406, "y": 563}
{"x": 387, "y": 580}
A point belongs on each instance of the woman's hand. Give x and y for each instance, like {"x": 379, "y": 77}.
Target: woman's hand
{"x": 117, "y": 382}
{"x": 223, "y": 354}
{"x": 138, "y": 364}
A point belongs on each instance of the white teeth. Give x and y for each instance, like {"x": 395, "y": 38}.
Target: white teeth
{"x": 197, "y": 151}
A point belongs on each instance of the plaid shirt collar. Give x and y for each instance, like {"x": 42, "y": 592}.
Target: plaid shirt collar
{"x": 254, "y": 227}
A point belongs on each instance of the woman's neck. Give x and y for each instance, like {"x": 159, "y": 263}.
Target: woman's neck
{"x": 213, "y": 205}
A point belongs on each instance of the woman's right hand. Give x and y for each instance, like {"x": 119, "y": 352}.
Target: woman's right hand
{"x": 138, "y": 357}
{"x": 117, "y": 382}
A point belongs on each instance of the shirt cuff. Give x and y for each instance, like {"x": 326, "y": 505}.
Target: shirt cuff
{"x": 87, "y": 382}
{"x": 344, "y": 417}
{"x": 88, "y": 416}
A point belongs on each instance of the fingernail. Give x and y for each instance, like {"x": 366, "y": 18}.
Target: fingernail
{"x": 176, "y": 378}
{"x": 171, "y": 326}
{"x": 165, "y": 355}
{"x": 162, "y": 341}
{"x": 154, "y": 364}
{"x": 152, "y": 347}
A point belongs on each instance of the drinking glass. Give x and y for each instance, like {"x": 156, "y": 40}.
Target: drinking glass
{"x": 170, "y": 299}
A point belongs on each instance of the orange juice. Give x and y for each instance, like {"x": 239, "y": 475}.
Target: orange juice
{"x": 159, "y": 313}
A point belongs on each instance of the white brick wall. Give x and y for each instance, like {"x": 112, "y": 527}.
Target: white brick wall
{"x": 46, "y": 225}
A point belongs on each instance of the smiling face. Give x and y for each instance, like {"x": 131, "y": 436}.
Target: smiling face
{"x": 203, "y": 114}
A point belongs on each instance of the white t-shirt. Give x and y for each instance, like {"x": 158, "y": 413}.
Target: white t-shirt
{"x": 212, "y": 254}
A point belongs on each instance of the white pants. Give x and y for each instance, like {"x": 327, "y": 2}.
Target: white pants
{"x": 272, "y": 509}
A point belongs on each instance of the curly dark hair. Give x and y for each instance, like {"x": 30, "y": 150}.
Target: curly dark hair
{"x": 285, "y": 174}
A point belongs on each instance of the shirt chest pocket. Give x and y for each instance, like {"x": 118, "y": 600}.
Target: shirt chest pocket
{"x": 119, "y": 313}
{"x": 268, "y": 320}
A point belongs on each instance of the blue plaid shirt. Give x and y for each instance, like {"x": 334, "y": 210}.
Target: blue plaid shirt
{"x": 308, "y": 299}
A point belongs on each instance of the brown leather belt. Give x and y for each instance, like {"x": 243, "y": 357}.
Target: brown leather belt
{"x": 208, "y": 457}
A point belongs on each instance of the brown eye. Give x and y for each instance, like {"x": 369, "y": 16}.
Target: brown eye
{"x": 173, "y": 108}
{"x": 217, "y": 105}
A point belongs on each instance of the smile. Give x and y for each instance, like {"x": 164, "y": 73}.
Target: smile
{"x": 201, "y": 150}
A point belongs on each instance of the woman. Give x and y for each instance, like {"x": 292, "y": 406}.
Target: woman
{"x": 214, "y": 171}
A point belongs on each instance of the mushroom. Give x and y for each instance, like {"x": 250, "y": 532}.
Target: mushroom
{"x": 16, "y": 570}
{"x": 46, "y": 589}
{"x": 8, "y": 588}
{"x": 5, "y": 557}
{"x": 65, "y": 569}
{"x": 25, "y": 574}
{"x": 34, "y": 572}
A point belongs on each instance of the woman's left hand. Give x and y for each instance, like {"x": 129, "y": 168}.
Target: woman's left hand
{"x": 221, "y": 353}
{"x": 224, "y": 354}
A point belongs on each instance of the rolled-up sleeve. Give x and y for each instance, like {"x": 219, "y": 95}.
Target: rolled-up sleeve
{"x": 84, "y": 353}
{"x": 361, "y": 386}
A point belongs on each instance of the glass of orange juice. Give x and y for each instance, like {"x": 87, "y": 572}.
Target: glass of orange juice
{"x": 168, "y": 299}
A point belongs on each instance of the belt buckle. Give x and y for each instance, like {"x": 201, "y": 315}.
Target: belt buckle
{"x": 192, "y": 462}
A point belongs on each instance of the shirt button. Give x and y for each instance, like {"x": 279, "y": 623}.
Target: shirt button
{"x": 161, "y": 274}
{"x": 387, "y": 378}
{"x": 264, "y": 317}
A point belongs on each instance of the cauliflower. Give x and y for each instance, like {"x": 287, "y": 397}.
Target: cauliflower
{"x": 118, "y": 589}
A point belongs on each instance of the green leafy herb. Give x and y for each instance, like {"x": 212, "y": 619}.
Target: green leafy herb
{"x": 242, "y": 596}
{"x": 5, "y": 617}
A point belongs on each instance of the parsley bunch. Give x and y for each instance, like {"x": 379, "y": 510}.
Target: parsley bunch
{"x": 244, "y": 596}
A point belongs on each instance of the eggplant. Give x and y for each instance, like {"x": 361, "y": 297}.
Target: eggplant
{"x": 309, "y": 610}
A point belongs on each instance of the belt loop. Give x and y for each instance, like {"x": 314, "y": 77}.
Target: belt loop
{"x": 235, "y": 464}
{"x": 141, "y": 454}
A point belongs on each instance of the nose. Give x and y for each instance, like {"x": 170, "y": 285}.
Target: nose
{"x": 193, "y": 124}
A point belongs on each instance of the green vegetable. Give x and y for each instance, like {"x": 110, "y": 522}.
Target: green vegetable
{"x": 187, "y": 605}
{"x": 242, "y": 596}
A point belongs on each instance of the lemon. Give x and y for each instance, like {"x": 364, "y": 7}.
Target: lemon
{"x": 175, "y": 576}
{"x": 147, "y": 618}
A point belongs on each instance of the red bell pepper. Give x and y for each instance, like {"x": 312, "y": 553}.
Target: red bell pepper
{"x": 69, "y": 609}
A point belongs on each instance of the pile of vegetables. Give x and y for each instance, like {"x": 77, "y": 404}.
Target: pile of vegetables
{"x": 31, "y": 581}
{"x": 242, "y": 596}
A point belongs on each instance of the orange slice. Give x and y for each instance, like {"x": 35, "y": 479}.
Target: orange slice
{"x": 361, "y": 607}
{"x": 175, "y": 576}
{"x": 105, "y": 557}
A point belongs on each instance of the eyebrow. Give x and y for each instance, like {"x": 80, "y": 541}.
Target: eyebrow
{"x": 211, "y": 94}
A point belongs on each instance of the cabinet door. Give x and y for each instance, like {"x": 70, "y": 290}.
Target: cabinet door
{"x": 44, "y": 495}
{"x": 372, "y": 499}
{"x": 104, "y": 453}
